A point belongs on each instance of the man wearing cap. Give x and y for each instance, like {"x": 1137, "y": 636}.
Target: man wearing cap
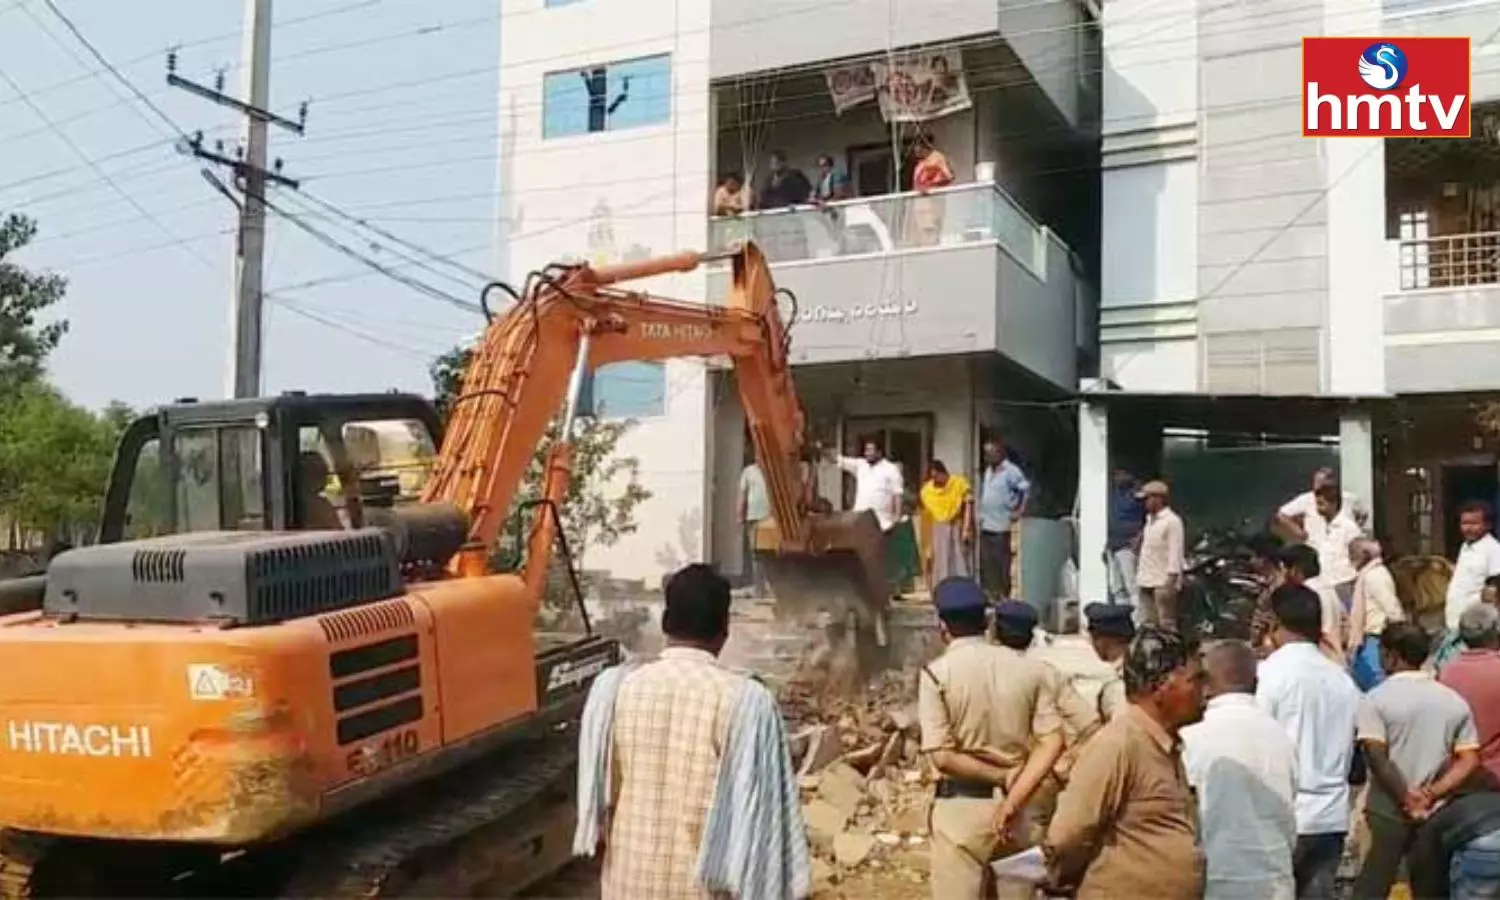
{"x": 1015, "y": 626}
{"x": 990, "y": 728}
{"x": 1158, "y": 572}
{"x": 1110, "y": 631}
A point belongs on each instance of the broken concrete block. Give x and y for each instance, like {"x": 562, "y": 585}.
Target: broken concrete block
{"x": 823, "y": 747}
{"x": 850, "y": 849}
{"x": 824, "y": 822}
{"x": 798, "y": 743}
{"x": 864, "y": 758}
{"x": 911, "y": 821}
{"x": 843, "y": 787}
{"x": 823, "y": 875}
{"x": 905, "y": 720}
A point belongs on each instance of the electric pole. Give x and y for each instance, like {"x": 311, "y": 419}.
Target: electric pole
{"x": 252, "y": 178}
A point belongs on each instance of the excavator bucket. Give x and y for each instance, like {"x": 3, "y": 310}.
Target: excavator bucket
{"x": 837, "y": 582}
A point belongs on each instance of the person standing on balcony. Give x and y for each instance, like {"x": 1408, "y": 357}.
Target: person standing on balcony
{"x": 833, "y": 182}
{"x": 729, "y": 196}
{"x": 785, "y": 186}
{"x": 931, "y": 173}
{"x": 1002, "y": 500}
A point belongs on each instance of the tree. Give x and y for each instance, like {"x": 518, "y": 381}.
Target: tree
{"x": 600, "y": 505}
{"x": 54, "y": 463}
{"x": 25, "y": 341}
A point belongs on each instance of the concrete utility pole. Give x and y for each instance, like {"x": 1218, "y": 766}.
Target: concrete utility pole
{"x": 252, "y": 179}
{"x": 249, "y": 267}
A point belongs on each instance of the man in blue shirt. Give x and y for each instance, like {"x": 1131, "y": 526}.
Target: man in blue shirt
{"x": 1002, "y": 500}
{"x": 1126, "y": 516}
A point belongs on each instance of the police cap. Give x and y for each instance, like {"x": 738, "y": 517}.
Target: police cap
{"x": 957, "y": 596}
{"x": 1015, "y": 616}
{"x": 1109, "y": 620}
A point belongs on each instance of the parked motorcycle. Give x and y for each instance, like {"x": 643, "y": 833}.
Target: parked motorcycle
{"x": 1220, "y": 586}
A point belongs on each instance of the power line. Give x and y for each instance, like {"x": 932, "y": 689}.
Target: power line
{"x": 366, "y": 224}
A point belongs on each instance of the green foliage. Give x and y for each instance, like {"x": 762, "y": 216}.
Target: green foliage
{"x": 54, "y": 463}
{"x": 602, "y": 499}
{"x": 25, "y": 340}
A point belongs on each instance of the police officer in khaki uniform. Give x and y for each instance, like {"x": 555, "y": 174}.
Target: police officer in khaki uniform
{"x": 1110, "y": 631}
{"x": 991, "y": 729}
{"x": 1015, "y": 626}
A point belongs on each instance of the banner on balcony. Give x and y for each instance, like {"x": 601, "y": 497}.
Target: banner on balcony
{"x": 921, "y": 87}
{"x": 849, "y": 86}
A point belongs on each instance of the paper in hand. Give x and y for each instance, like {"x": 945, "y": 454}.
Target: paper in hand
{"x": 1029, "y": 866}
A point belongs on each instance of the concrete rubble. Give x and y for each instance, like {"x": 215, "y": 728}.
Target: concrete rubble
{"x": 865, "y": 793}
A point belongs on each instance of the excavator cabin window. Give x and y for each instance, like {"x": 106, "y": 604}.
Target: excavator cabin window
{"x": 344, "y": 467}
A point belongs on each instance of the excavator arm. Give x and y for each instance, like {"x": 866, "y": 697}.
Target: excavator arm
{"x": 530, "y": 364}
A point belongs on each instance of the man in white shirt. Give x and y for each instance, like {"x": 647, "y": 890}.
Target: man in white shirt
{"x": 878, "y": 484}
{"x": 1243, "y": 768}
{"x": 1316, "y": 703}
{"x": 1158, "y": 570}
{"x": 1296, "y": 510}
{"x": 1478, "y": 559}
{"x": 1328, "y": 527}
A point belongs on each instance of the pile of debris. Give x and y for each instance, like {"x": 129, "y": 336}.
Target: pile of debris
{"x": 865, "y": 792}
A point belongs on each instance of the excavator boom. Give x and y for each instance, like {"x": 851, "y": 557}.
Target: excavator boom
{"x": 570, "y": 320}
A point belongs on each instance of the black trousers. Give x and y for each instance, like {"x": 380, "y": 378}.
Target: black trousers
{"x": 994, "y": 563}
{"x": 1315, "y": 865}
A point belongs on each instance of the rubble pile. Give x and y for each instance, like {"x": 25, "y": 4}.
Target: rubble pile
{"x": 865, "y": 792}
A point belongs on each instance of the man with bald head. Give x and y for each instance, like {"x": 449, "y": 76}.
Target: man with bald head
{"x": 1243, "y": 767}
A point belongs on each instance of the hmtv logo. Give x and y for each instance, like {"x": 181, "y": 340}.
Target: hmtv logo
{"x": 1374, "y": 87}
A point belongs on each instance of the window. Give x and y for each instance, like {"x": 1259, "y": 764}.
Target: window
{"x": 629, "y": 390}
{"x": 609, "y": 97}
{"x": 241, "y": 491}
{"x": 219, "y": 480}
{"x": 197, "y": 493}
{"x": 148, "y": 510}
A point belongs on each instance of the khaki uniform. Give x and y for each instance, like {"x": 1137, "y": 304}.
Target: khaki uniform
{"x": 1112, "y": 700}
{"x": 1080, "y": 719}
{"x": 993, "y": 703}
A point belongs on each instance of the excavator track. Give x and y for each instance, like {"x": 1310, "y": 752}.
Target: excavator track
{"x": 19, "y": 855}
{"x": 512, "y": 811}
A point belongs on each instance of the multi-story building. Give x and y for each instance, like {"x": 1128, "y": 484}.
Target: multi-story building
{"x": 921, "y": 320}
{"x": 1344, "y": 293}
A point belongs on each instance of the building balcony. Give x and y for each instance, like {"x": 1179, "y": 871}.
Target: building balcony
{"x": 1442, "y": 317}
{"x": 955, "y": 271}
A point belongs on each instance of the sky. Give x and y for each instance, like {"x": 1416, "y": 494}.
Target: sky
{"x": 401, "y": 132}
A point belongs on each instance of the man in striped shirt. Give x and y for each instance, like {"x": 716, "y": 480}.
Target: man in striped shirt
{"x": 685, "y": 777}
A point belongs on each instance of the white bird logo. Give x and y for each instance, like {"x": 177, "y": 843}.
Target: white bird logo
{"x": 1383, "y": 71}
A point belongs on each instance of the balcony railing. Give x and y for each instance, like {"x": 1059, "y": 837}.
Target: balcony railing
{"x": 1452, "y": 261}
{"x": 949, "y": 217}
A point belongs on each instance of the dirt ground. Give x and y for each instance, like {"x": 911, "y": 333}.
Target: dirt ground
{"x": 580, "y": 881}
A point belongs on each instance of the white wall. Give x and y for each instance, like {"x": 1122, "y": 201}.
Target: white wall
{"x": 1149, "y": 232}
{"x": 603, "y": 196}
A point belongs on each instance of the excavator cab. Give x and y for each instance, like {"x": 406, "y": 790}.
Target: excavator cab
{"x": 287, "y": 463}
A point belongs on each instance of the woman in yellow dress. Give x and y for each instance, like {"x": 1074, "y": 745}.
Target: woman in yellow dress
{"x": 948, "y": 505}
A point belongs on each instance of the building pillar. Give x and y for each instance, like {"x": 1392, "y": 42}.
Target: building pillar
{"x": 1093, "y": 501}
{"x": 1357, "y": 459}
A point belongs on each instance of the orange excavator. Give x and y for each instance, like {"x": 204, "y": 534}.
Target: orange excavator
{"x": 347, "y": 696}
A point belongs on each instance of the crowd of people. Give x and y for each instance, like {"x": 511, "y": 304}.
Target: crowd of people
{"x": 1238, "y": 769}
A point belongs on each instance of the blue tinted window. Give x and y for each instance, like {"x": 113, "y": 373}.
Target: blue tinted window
{"x": 609, "y": 97}
{"x": 629, "y": 390}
